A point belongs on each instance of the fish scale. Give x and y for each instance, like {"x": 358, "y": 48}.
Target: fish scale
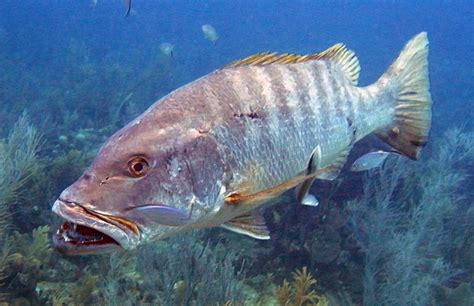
{"x": 288, "y": 130}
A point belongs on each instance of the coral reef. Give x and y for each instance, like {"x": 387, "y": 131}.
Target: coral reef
{"x": 25, "y": 259}
{"x": 403, "y": 238}
{"x": 399, "y": 241}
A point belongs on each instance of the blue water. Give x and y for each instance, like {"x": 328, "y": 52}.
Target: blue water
{"x": 71, "y": 65}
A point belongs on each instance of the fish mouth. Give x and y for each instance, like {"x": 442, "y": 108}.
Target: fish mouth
{"x": 88, "y": 232}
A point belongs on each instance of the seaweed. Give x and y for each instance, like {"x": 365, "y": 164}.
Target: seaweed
{"x": 18, "y": 162}
{"x": 406, "y": 239}
{"x": 5, "y": 257}
{"x": 79, "y": 292}
{"x": 25, "y": 259}
{"x": 202, "y": 274}
{"x": 299, "y": 292}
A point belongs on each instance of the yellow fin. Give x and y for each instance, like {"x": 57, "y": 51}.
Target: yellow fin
{"x": 345, "y": 58}
{"x": 251, "y": 224}
{"x": 338, "y": 53}
{"x": 408, "y": 132}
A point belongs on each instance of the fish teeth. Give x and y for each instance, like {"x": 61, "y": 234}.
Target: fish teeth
{"x": 66, "y": 237}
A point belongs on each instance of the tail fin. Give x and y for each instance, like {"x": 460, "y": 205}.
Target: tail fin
{"x": 412, "y": 119}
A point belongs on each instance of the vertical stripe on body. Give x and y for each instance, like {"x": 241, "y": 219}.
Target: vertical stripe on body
{"x": 294, "y": 108}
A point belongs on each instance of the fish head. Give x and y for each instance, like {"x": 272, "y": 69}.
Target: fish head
{"x": 140, "y": 187}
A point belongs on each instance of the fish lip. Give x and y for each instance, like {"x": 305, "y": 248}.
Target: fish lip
{"x": 75, "y": 213}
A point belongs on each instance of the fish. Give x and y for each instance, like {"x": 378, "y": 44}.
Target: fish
{"x": 166, "y": 49}
{"x": 369, "y": 161}
{"x": 213, "y": 152}
{"x": 210, "y": 33}
{"x": 128, "y": 3}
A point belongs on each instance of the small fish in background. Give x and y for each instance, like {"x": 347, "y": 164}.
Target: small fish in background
{"x": 210, "y": 33}
{"x": 456, "y": 278}
{"x": 370, "y": 161}
{"x": 94, "y": 3}
{"x": 166, "y": 49}
{"x": 128, "y": 3}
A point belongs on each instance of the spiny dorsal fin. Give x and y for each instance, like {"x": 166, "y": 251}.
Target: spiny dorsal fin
{"x": 346, "y": 59}
{"x": 251, "y": 224}
{"x": 337, "y": 53}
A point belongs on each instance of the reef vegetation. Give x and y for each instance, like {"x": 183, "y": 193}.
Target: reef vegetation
{"x": 398, "y": 235}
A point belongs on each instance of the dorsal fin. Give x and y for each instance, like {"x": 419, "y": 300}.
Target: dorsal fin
{"x": 346, "y": 59}
{"x": 337, "y": 53}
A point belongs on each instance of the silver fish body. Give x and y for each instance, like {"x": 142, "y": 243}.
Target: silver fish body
{"x": 223, "y": 145}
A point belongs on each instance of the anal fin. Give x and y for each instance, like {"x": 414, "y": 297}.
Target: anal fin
{"x": 251, "y": 224}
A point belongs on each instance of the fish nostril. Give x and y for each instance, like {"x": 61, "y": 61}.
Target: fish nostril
{"x": 86, "y": 177}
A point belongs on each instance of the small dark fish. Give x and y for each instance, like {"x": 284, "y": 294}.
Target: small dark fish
{"x": 128, "y": 3}
{"x": 454, "y": 279}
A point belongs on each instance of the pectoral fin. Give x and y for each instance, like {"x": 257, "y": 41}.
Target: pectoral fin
{"x": 251, "y": 224}
{"x": 161, "y": 214}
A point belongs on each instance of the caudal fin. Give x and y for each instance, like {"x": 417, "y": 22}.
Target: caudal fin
{"x": 412, "y": 118}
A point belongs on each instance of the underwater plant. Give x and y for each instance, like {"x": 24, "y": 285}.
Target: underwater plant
{"x": 25, "y": 259}
{"x": 18, "y": 162}
{"x": 195, "y": 273}
{"x": 401, "y": 222}
{"x": 117, "y": 278}
{"x": 299, "y": 291}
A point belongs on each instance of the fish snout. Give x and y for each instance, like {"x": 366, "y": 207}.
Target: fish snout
{"x": 86, "y": 232}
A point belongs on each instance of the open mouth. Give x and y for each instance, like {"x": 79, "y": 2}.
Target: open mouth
{"x": 71, "y": 236}
{"x": 87, "y": 232}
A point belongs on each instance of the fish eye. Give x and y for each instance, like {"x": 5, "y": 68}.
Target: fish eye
{"x": 137, "y": 166}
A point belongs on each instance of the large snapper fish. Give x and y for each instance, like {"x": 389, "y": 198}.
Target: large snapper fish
{"x": 213, "y": 151}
